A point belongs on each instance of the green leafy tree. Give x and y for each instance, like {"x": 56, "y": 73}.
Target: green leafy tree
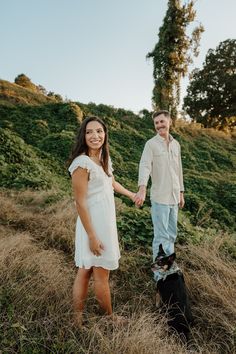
{"x": 211, "y": 95}
{"x": 173, "y": 54}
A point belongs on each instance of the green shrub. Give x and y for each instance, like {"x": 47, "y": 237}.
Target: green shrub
{"x": 58, "y": 145}
{"x": 135, "y": 227}
{"x": 20, "y": 167}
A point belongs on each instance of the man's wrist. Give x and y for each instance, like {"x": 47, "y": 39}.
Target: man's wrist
{"x": 142, "y": 188}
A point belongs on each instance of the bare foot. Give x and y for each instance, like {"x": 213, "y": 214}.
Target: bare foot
{"x": 118, "y": 320}
{"x": 79, "y": 319}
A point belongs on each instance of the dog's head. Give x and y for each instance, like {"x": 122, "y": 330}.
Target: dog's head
{"x": 162, "y": 260}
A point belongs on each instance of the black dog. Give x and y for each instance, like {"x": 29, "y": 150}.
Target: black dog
{"x": 174, "y": 294}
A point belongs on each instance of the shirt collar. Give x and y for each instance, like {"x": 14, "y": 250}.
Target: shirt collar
{"x": 163, "y": 139}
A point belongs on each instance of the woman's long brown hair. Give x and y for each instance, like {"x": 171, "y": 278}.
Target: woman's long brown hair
{"x": 80, "y": 146}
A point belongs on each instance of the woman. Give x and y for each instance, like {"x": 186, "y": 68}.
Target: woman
{"x": 96, "y": 244}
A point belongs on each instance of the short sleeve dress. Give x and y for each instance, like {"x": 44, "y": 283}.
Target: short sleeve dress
{"x": 101, "y": 206}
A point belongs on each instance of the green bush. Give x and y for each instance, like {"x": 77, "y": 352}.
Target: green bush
{"x": 20, "y": 167}
{"x": 58, "y": 145}
{"x": 135, "y": 227}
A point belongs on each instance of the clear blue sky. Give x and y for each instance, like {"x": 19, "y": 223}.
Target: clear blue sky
{"x": 94, "y": 50}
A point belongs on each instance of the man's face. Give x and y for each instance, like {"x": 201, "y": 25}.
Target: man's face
{"x": 162, "y": 125}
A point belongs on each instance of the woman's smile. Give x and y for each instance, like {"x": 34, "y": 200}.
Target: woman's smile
{"x": 95, "y": 135}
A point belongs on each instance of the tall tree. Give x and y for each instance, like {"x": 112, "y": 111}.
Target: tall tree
{"x": 211, "y": 95}
{"x": 173, "y": 54}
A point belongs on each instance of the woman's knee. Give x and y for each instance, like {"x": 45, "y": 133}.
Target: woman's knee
{"x": 100, "y": 274}
{"x": 83, "y": 273}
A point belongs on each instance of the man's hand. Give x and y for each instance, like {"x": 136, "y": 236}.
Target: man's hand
{"x": 140, "y": 196}
{"x": 181, "y": 201}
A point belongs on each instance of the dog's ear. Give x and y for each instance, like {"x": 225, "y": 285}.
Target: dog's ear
{"x": 161, "y": 252}
{"x": 172, "y": 257}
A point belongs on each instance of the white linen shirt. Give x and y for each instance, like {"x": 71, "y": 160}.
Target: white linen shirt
{"x": 162, "y": 162}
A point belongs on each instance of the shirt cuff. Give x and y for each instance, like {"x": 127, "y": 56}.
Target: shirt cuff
{"x": 142, "y": 182}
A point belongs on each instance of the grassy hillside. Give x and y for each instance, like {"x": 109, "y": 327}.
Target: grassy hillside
{"x": 47, "y": 131}
{"x": 37, "y": 233}
{"x": 11, "y": 94}
{"x": 37, "y": 272}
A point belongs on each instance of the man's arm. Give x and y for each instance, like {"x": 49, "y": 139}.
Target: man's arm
{"x": 145, "y": 167}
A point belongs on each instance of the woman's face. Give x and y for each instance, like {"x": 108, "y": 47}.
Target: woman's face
{"x": 94, "y": 135}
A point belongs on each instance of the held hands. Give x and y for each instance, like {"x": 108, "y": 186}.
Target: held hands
{"x": 135, "y": 197}
{"x": 132, "y": 196}
{"x": 140, "y": 198}
{"x": 96, "y": 246}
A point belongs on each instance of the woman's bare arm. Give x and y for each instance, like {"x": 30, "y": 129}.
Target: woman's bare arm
{"x": 80, "y": 187}
{"x": 122, "y": 190}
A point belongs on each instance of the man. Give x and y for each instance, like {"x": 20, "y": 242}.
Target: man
{"x": 161, "y": 158}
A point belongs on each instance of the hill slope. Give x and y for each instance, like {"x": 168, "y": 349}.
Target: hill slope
{"x": 11, "y": 94}
{"x": 37, "y": 235}
{"x": 48, "y": 129}
{"x": 36, "y": 278}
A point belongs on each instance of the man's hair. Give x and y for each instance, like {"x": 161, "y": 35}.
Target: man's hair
{"x": 158, "y": 113}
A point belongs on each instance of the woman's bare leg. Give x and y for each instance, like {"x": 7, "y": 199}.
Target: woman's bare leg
{"x": 102, "y": 288}
{"x": 80, "y": 292}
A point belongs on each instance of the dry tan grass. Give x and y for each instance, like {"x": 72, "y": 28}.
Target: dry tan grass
{"x": 144, "y": 334}
{"x": 211, "y": 279}
{"x": 36, "y": 276}
{"x": 54, "y": 225}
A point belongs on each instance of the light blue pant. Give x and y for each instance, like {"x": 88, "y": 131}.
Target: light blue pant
{"x": 164, "y": 219}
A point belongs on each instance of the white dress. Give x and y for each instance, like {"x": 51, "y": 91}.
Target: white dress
{"x": 101, "y": 206}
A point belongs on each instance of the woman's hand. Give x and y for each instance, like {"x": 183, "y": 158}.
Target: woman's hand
{"x": 96, "y": 246}
{"x": 132, "y": 196}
